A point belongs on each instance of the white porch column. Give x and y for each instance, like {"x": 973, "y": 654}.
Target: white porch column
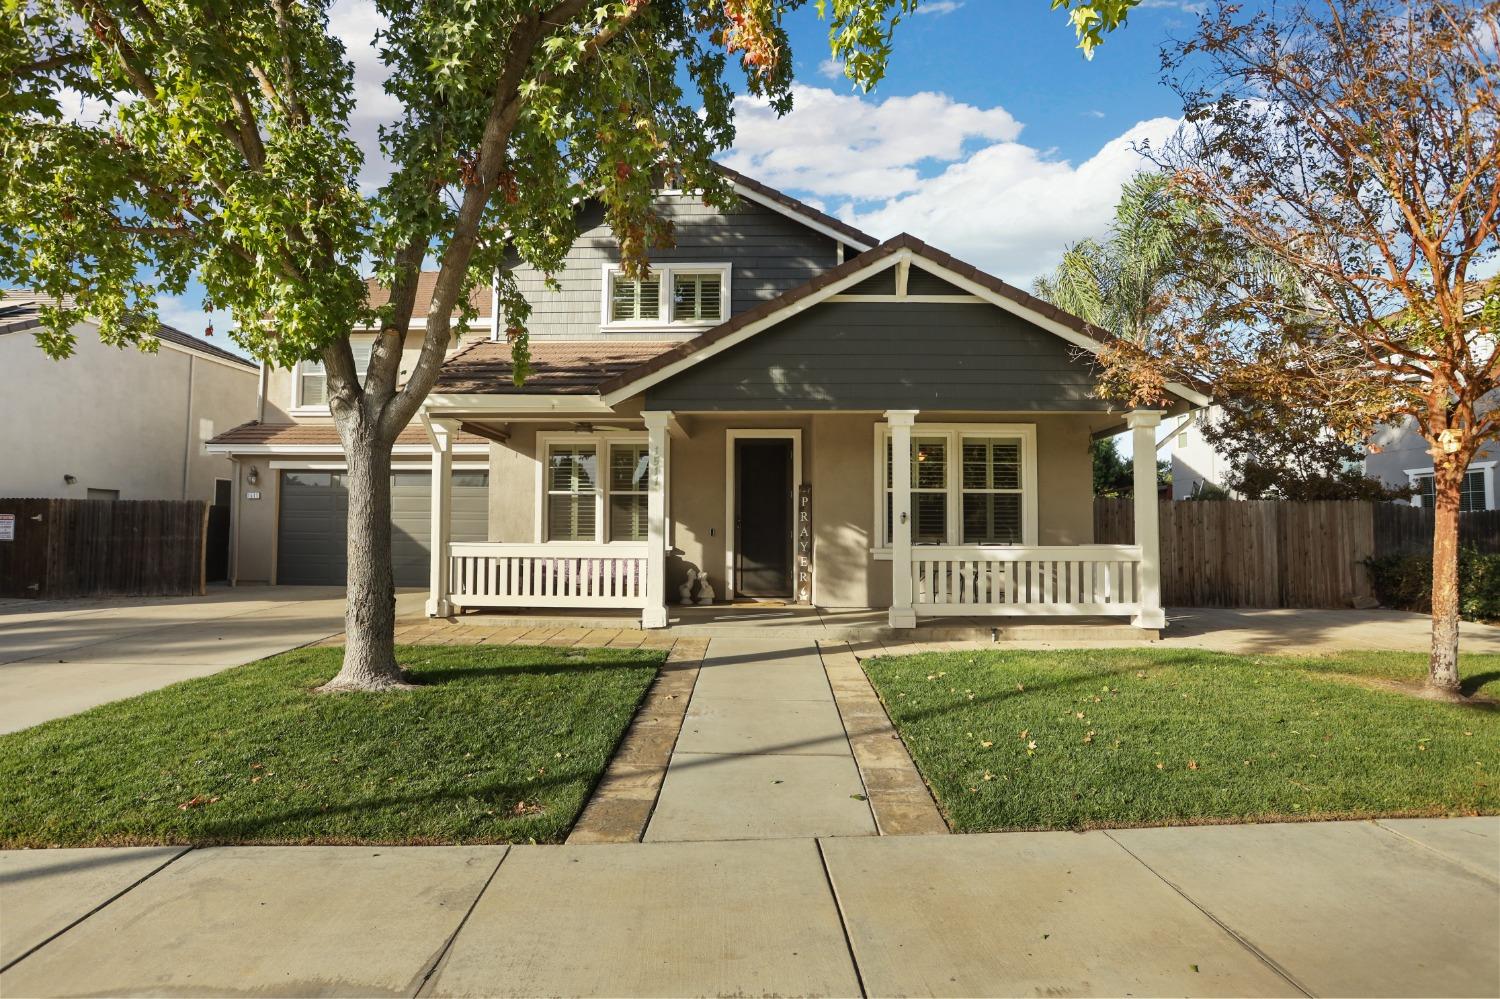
{"x": 900, "y": 421}
{"x": 1143, "y": 424}
{"x": 441, "y": 433}
{"x": 654, "y": 615}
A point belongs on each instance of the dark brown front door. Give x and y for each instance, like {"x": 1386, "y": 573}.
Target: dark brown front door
{"x": 763, "y": 518}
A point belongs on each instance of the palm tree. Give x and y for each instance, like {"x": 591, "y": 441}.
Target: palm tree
{"x": 1126, "y": 283}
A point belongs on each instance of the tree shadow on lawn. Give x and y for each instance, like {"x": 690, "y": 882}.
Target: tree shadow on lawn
{"x": 438, "y": 676}
{"x": 504, "y": 794}
{"x": 1470, "y": 685}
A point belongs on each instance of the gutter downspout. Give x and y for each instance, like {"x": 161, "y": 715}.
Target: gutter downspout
{"x": 260, "y": 395}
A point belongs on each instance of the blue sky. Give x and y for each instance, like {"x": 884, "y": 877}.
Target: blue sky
{"x": 991, "y": 136}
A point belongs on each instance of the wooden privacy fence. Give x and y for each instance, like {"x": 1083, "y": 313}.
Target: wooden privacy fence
{"x": 1271, "y": 553}
{"x": 81, "y": 548}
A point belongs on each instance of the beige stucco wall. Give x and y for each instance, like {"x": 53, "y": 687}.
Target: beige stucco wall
{"x": 838, "y": 460}
{"x": 254, "y": 557}
{"x": 115, "y": 419}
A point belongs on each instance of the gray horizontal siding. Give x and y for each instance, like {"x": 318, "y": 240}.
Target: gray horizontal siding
{"x": 769, "y": 253}
{"x": 872, "y": 356}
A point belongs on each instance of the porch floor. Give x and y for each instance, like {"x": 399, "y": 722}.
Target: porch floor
{"x": 762, "y": 620}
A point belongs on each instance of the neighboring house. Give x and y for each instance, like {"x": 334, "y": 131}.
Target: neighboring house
{"x": 733, "y": 415}
{"x": 1195, "y": 462}
{"x": 113, "y": 423}
{"x": 1398, "y": 456}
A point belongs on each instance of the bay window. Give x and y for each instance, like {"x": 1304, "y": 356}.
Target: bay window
{"x": 972, "y": 484}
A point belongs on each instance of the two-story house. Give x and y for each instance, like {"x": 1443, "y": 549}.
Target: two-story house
{"x": 734, "y": 415}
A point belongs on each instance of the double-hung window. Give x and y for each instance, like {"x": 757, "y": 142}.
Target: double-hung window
{"x": 687, "y": 295}
{"x": 970, "y": 485}
{"x": 312, "y": 379}
{"x": 595, "y": 490}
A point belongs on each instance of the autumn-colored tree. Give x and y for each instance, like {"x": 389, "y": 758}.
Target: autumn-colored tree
{"x": 221, "y": 151}
{"x": 1357, "y": 144}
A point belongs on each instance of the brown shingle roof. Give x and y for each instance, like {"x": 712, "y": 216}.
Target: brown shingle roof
{"x": 557, "y": 368}
{"x": 20, "y": 311}
{"x": 377, "y": 294}
{"x": 316, "y": 433}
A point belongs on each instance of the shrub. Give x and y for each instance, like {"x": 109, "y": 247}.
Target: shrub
{"x": 1405, "y": 582}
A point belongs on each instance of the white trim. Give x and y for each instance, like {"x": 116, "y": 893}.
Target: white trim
{"x": 1487, "y": 467}
{"x": 244, "y": 364}
{"x": 665, "y": 322}
{"x": 911, "y": 299}
{"x": 601, "y": 440}
{"x": 334, "y": 448}
{"x": 582, "y": 405}
{"x": 953, "y": 435}
{"x": 854, "y": 277}
{"x": 469, "y": 465}
{"x": 792, "y": 213}
{"x": 731, "y": 534}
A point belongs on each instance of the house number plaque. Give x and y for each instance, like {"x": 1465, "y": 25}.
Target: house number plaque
{"x": 804, "y": 543}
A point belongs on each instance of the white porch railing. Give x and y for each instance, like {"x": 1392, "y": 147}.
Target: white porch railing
{"x": 1039, "y": 580}
{"x": 486, "y": 574}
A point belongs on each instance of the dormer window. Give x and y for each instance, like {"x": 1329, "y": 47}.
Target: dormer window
{"x": 675, "y": 295}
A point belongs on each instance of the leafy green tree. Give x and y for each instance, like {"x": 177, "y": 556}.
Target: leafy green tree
{"x": 1112, "y": 473}
{"x": 221, "y": 151}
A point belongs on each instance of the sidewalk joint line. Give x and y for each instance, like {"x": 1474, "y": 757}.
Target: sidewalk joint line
{"x": 117, "y": 895}
{"x": 1261, "y": 955}
{"x": 448, "y": 944}
{"x": 838, "y": 906}
{"x": 1487, "y": 875}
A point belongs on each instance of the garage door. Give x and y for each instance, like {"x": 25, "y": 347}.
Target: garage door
{"x": 315, "y": 516}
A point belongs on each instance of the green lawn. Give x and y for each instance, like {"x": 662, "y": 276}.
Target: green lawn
{"x": 1080, "y": 739}
{"x": 502, "y": 744}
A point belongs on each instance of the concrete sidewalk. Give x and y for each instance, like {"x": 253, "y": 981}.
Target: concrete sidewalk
{"x": 61, "y": 657}
{"x": 1397, "y": 907}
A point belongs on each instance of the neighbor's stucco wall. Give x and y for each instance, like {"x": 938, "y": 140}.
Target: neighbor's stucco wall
{"x": 838, "y": 459}
{"x": 115, "y": 419}
{"x": 255, "y": 528}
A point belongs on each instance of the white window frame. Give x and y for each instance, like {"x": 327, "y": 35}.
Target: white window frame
{"x": 300, "y": 408}
{"x": 954, "y": 434}
{"x": 1487, "y": 467}
{"x": 665, "y": 272}
{"x": 601, "y": 442}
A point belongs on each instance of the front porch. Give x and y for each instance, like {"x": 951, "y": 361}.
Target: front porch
{"x": 610, "y": 526}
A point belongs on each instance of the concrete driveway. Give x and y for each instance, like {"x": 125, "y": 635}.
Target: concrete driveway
{"x": 1389, "y": 908}
{"x": 61, "y": 657}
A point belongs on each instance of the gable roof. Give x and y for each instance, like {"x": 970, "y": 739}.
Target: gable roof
{"x": 777, "y": 201}
{"x": 20, "y": 311}
{"x": 904, "y": 246}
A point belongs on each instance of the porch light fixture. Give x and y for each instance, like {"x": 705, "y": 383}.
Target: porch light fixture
{"x": 253, "y": 477}
{"x": 70, "y": 479}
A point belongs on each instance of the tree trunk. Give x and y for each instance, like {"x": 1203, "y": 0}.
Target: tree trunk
{"x": 1447, "y": 482}
{"x": 370, "y": 611}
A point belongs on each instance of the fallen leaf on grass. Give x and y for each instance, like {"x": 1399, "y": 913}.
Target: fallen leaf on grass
{"x": 197, "y": 801}
{"x": 527, "y": 808}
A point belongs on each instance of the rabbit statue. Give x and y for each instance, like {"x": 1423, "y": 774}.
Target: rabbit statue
{"x": 685, "y": 591}
{"x": 705, "y": 591}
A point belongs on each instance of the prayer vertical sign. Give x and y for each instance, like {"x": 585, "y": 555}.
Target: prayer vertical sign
{"x": 804, "y": 543}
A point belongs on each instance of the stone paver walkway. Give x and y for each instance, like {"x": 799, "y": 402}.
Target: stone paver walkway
{"x": 1388, "y": 908}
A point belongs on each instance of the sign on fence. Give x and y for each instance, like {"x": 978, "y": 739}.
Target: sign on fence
{"x": 7, "y": 527}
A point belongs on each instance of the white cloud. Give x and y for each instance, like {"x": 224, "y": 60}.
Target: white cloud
{"x": 940, "y": 7}
{"x": 1093, "y": 114}
{"x": 830, "y": 69}
{"x": 1011, "y": 209}
{"x": 354, "y": 22}
{"x": 189, "y": 316}
{"x": 844, "y": 146}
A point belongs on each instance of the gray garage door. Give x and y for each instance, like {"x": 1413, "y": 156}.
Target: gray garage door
{"x": 314, "y": 521}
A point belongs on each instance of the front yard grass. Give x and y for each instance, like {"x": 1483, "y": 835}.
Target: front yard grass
{"x": 1101, "y": 738}
{"x": 500, "y": 745}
